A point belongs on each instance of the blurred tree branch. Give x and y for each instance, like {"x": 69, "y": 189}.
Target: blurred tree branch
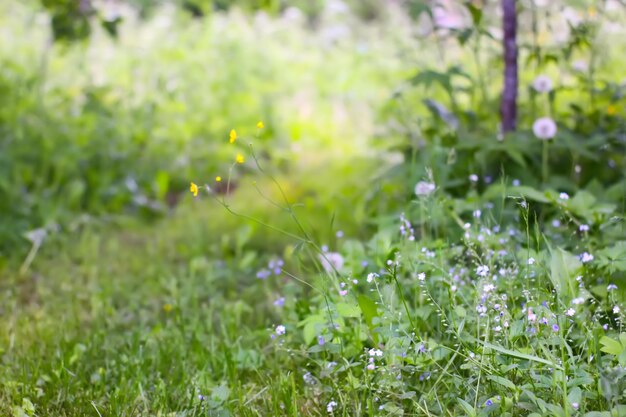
{"x": 508, "y": 106}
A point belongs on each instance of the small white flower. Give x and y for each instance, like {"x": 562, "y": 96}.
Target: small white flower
{"x": 611, "y": 287}
{"x": 473, "y": 178}
{"x": 477, "y": 213}
{"x": 497, "y": 329}
{"x": 564, "y": 196}
{"x": 330, "y": 407}
{"x": 556, "y": 223}
{"x": 421, "y": 276}
{"x": 371, "y": 366}
{"x": 542, "y": 84}
{"x": 531, "y": 261}
{"x": 616, "y": 310}
{"x": 453, "y": 288}
{"x": 531, "y": 316}
{"x": 482, "y": 270}
{"x": 488, "y": 288}
{"x": 371, "y": 277}
{"x": 575, "y": 406}
{"x": 467, "y": 225}
{"x": 424, "y": 188}
{"x": 570, "y": 312}
{"x": 586, "y": 257}
{"x": 544, "y": 128}
{"x": 516, "y": 183}
{"x": 375, "y": 352}
{"x": 578, "y": 300}
{"x": 343, "y": 293}
{"x": 280, "y": 330}
{"x": 583, "y": 228}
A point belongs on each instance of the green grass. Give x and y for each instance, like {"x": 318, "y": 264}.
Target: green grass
{"x": 89, "y": 326}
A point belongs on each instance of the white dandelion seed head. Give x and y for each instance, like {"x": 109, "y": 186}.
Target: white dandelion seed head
{"x": 542, "y": 84}
{"x": 544, "y": 128}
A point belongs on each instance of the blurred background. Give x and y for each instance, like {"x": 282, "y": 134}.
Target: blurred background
{"x": 108, "y": 109}
{"x": 122, "y": 293}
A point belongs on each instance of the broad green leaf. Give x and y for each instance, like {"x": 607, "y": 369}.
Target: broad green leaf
{"x": 369, "y": 309}
{"x": 348, "y": 310}
{"x": 611, "y": 346}
{"x": 310, "y": 327}
{"x": 220, "y": 393}
{"x": 563, "y": 269}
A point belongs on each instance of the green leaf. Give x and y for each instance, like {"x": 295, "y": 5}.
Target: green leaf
{"x": 530, "y": 193}
{"x": 220, "y": 393}
{"x": 502, "y": 381}
{"x": 162, "y": 184}
{"x": 370, "y": 310}
{"x": 310, "y": 327}
{"x": 519, "y": 355}
{"x": 467, "y": 407}
{"x": 611, "y": 346}
{"x": 563, "y": 269}
{"x": 476, "y": 12}
{"x": 348, "y": 310}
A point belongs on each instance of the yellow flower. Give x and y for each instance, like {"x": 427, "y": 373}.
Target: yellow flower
{"x": 239, "y": 159}
{"x": 260, "y": 125}
{"x": 167, "y": 308}
{"x": 218, "y": 179}
{"x": 611, "y": 110}
{"x": 233, "y": 135}
{"x": 194, "y": 189}
{"x": 592, "y": 11}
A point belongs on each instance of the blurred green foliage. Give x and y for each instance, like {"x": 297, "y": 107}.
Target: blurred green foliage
{"x": 110, "y": 126}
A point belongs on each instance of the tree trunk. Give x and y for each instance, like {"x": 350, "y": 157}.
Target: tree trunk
{"x": 508, "y": 106}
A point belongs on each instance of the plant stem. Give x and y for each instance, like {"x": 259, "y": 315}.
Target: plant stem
{"x": 544, "y": 162}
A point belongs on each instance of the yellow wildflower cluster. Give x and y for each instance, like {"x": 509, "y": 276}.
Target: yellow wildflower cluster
{"x": 239, "y": 158}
